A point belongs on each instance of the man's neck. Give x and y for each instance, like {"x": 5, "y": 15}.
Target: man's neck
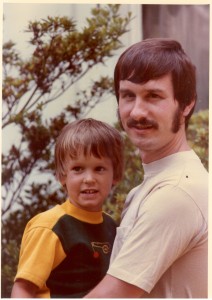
{"x": 179, "y": 145}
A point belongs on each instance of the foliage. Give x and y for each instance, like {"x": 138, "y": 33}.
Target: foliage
{"x": 42, "y": 199}
{"x": 10, "y": 255}
{"x": 133, "y": 176}
{"x": 62, "y": 55}
{"x": 198, "y": 135}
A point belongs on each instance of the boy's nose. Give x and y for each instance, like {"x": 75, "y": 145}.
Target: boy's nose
{"x": 89, "y": 177}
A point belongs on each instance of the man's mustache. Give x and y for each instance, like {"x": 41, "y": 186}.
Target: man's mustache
{"x": 142, "y": 122}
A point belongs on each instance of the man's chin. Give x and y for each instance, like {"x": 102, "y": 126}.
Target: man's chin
{"x": 141, "y": 143}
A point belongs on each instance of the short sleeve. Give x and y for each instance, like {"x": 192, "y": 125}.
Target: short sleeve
{"x": 166, "y": 226}
{"x": 41, "y": 251}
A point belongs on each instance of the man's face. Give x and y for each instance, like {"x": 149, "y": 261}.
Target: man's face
{"x": 151, "y": 116}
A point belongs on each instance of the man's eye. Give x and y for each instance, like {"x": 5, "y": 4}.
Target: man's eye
{"x": 154, "y": 96}
{"x": 127, "y": 95}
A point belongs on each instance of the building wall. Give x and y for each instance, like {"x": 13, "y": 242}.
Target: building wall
{"x": 189, "y": 24}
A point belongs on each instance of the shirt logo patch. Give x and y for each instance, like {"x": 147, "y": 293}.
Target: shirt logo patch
{"x": 105, "y": 247}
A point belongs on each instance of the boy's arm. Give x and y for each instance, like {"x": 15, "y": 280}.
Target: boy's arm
{"x": 24, "y": 289}
{"x": 112, "y": 287}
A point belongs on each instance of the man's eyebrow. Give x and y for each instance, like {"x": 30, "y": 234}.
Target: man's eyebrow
{"x": 124, "y": 90}
{"x": 149, "y": 90}
{"x": 152, "y": 90}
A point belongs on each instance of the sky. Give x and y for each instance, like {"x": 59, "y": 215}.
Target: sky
{"x": 16, "y": 18}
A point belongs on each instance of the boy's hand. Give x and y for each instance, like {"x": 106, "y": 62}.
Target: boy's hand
{"x": 24, "y": 289}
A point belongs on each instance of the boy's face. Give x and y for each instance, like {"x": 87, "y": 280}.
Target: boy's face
{"x": 88, "y": 181}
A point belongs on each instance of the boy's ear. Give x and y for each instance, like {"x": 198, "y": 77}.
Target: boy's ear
{"x": 115, "y": 181}
{"x": 62, "y": 180}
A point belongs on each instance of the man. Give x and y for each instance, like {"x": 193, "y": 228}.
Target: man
{"x": 160, "y": 250}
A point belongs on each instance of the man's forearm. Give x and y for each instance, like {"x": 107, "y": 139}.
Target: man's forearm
{"x": 112, "y": 287}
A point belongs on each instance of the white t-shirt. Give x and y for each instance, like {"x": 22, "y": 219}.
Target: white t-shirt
{"x": 161, "y": 244}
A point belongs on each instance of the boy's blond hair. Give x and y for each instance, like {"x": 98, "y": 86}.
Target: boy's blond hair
{"x": 89, "y": 136}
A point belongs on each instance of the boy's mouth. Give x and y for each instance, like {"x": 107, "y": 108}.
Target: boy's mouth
{"x": 89, "y": 191}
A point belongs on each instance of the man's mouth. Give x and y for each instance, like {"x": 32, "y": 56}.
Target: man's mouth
{"x": 142, "y": 124}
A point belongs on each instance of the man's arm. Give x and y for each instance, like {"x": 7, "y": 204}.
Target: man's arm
{"x": 112, "y": 287}
{"x": 24, "y": 289}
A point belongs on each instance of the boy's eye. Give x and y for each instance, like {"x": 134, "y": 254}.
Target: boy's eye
{"x": 77, "y": 169}
{"x": 100, "y": 169}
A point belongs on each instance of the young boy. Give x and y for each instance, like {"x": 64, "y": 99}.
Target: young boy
{"x": 65, "y": 251}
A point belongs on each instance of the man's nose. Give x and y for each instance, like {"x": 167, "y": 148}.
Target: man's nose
{"x": 139, "y": 109}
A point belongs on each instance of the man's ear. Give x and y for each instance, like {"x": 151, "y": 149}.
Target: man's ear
{"x": 188, "y": 108}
